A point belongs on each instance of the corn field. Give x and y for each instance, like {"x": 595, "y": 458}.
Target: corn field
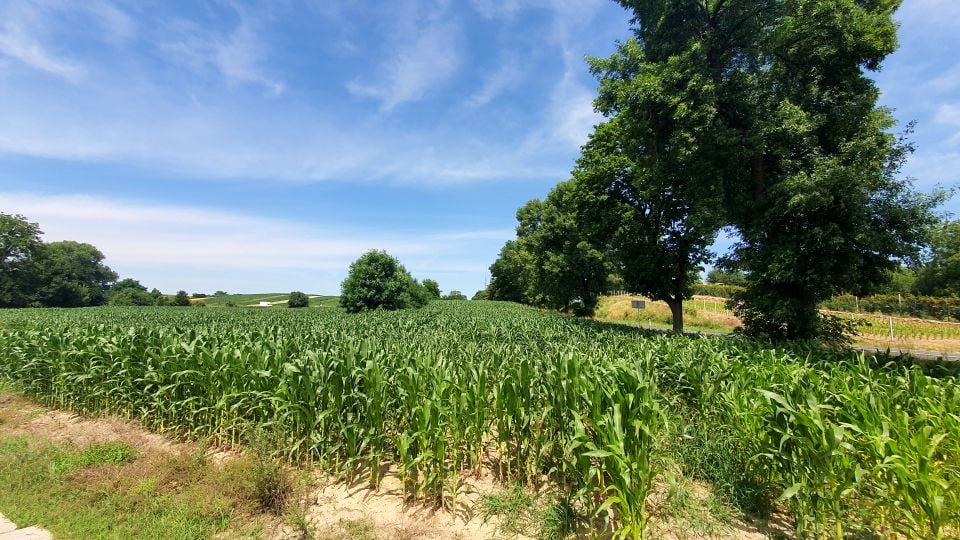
{"x": 849, "y": 445}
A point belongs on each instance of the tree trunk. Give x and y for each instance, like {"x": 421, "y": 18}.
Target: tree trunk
{"x": 676, "y": 309}
{"x": 758, "y": 174}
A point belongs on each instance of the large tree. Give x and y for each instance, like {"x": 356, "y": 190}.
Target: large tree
{"x": 565, "y": 270}
{"x": 72, "y": 274}
{"x": 19, "y": 249}
{"x": 378, "y": 281}
{"x": 940, "y": 275}
{"x": 774, "y": 108}
{"x": 552, "y": 263}
{"x": 507, "y": 280}
{"x": 650, "y": 174}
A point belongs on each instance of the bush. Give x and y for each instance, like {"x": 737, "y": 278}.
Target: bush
{"x": 716, "y": 289}
{"x": 298, "y": 300}
{"x": 924, "y": 307}
{"x": 181, "y": 299}
{"x": 130, "y": 297}
{"x": 432, "y": 288}
{"x": 378, "y": 281}
{"x": 455, "y": 295}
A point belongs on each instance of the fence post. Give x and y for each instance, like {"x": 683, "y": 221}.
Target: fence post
{"x": 891, "y": 328}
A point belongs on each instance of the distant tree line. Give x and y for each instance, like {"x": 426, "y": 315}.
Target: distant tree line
{"x": 34, "y": 273}
{"x": 757, "y": 117}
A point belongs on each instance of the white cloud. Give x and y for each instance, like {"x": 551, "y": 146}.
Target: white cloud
{"x": 936, "y": 12}
{"x": 29, "y": 30}
{"x": 238, "y": 55}
{"x": 117, "y": 25}
{"x": 165, "y": 239}
{"x": 424, "y": 53}
{"x": 948, "y": 114}
{"x": 24, "y": 27}
{"x": 22, "y": 47}
{"x": 495, "y": 83}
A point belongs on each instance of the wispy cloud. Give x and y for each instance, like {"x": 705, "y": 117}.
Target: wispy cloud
{"x": 948, "y": 114}
{"x": 505, "y": 76}
{"x": 237, "y": 54}
{"x": 423, "y": 53}
{"x": 24, "y": 28}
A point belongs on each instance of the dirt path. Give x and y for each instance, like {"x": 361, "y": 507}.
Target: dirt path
{"x": 329, "y": 509}
{"x": 10, "y": 531}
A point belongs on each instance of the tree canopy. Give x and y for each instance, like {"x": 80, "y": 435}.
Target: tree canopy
{"x": 19, "y": 248}
{"x": 553, "y": 262}
{"x": 298, "y": 299}
{"x": 758, "y": 114}
{"x": 432, "y": 288}
{"x": 378, "y": 281}
{"x": 940, "y": 275}
{"x": 72, "y": 274}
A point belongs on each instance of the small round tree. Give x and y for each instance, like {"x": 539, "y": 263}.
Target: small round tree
{"x": 378, "y": 281}
{"x": 181, "y": 299}
{"x": 298, "y": 300}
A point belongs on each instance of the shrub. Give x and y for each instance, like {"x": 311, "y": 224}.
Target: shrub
{"x": 298, "y": 300}
{"x": 924, "y": 307}
{"x": 715, "y": 289}
{"x": 432, "y": 288}
{"x": 181, "y": 299}
{"x": 378, "y": 281}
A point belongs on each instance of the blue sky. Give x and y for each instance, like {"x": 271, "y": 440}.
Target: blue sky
{"x": 262, "y": 146}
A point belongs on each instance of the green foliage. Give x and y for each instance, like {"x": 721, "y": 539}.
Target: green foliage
{"x": 58, "y": 274}
{"x": 378, "y": 281}
{"x": 298, "y": 299}
{"x": 19, "y": 248}
{"x": 129, "y": 292}
{"x": 455, "y": 295}
{"x": 940, "y": 275}
{"x": 272, "y": 484}
{"x": 95, "y": 454}
{"x": 852, "y": 446}
{"x": 482, "y": 294}
{"x": 72, "y": 274}
{"x": 130, "y": 297}
{"x": 717, "y": 276}
{"x": 644, "y": 169}
{"x": 715, "y": 289}
{"x": 432, "y": 288}
{"x": 758, "y": 115}
{"x": 159, "y": 299}
{"x": 181, "y": 299}
{"x": 552, "y": 263}
{"x": 507, "y": 274}
{"x": 924, "y": 307}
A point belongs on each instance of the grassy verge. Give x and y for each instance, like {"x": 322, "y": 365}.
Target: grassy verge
{"x": 115, "y": 490}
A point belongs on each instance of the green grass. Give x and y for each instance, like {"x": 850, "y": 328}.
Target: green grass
{"x": 279, "y": 299}
{"x": 105, "y": 491}
{"x": 241, "y": 300}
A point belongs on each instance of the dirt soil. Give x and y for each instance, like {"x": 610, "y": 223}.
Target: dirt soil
{"x": 333, "y": 509}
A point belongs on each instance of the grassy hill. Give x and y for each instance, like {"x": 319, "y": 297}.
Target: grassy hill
{"x": 278, "y": 299}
